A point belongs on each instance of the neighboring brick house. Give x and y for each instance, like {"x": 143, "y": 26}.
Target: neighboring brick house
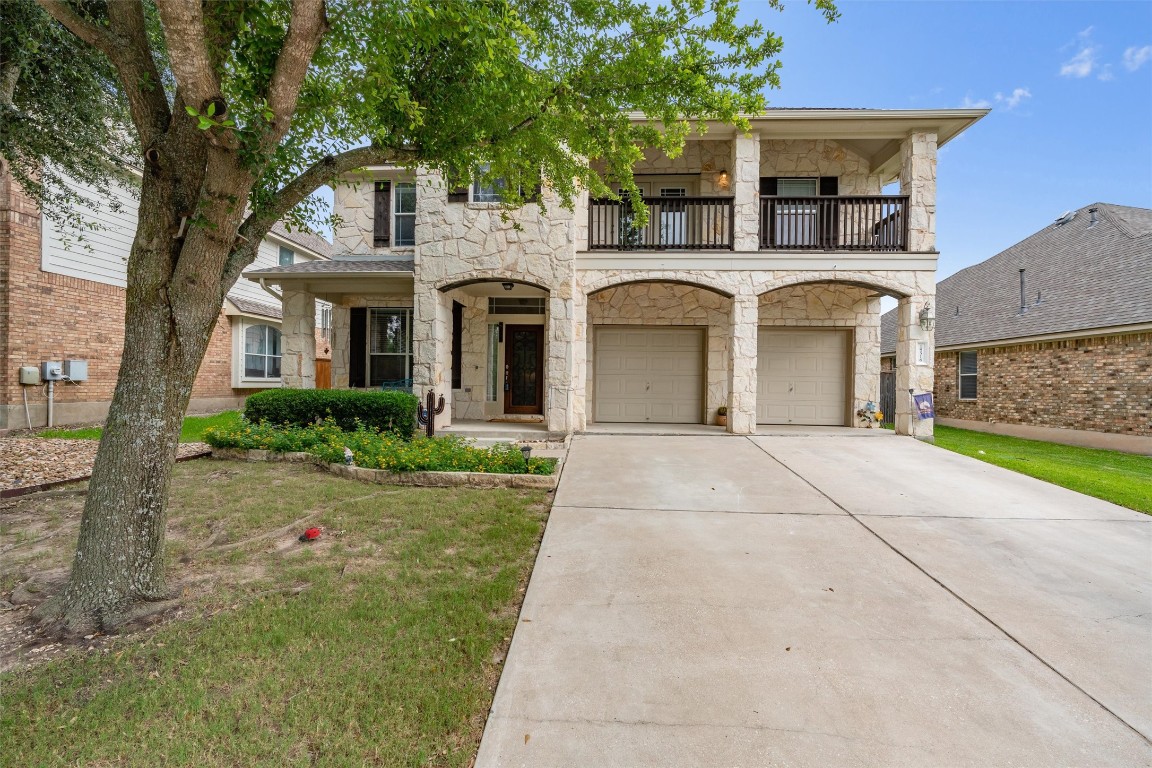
{"x": 756, "y": 285}
{"x": 1051, "y": 335}
{"x": 63, "y": 299}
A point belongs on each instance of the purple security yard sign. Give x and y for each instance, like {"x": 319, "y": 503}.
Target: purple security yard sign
{"x": 924, "y": 407}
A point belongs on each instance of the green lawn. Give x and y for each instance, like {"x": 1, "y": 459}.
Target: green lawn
{"x": 388, "y": 656}
{"x": 1122, "y": 478}
{"x": 192, "y": 432}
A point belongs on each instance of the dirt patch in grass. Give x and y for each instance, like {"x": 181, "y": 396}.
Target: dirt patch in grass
{"x": 380, "y": 643}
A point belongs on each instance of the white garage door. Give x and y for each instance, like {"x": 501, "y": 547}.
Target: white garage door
{"x": 649, "y": 374}
{"x": 803, "y": 377}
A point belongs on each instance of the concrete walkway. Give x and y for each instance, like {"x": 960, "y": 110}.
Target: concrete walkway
{"x": 825, "y": 601}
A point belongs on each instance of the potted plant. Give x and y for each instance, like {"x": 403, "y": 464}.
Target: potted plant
{"x": 722, "y": 416}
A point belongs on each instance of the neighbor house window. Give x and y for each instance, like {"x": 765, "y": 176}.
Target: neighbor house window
{"x": 261, "y": 352}
{"x": 287, "y": 256}
{"x": 404, "y": 202}
{"x": 389, "y": 347}
{"x": 326, "y": 323}
{"x": 967, "y": 375}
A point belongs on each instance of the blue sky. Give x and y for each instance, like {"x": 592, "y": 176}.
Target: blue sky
{"x": 1069, "y": 83}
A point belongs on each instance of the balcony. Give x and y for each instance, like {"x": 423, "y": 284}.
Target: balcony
{"x": 861, "y": 223}
{"x": 674, "y": 224}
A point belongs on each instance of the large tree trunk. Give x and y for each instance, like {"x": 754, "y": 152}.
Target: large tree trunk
{"x": 169, "y": 318}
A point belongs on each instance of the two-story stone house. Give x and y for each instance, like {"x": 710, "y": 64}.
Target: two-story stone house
{"x": 755, "y": 285}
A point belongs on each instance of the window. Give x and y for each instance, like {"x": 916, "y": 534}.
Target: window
{"x": 493, "y": 378}
{"x": 287, "y": 256}
{"x": 389, "y": 347}
{"x": 261, "y": 352}
{"x": 326, "y": 323}
{"x": 492, "y": 192}
{"x": 967, "y": 375}
{"x": 515, "y": 305}
{"x": 405, "y": 214}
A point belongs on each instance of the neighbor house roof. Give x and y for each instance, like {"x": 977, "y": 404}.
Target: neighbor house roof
{"x": 312, "y": 242}
{"x": 1078, "y": 276}
{"x": 250, "y": 307}
{"x": 335, "y": 267}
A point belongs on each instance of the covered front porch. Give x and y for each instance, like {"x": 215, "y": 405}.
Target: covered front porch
{"x": 493, "y": 347}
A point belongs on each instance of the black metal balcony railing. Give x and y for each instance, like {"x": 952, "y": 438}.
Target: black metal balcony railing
{"x": 674, "y": 223}
{"x": 860, "y": 223}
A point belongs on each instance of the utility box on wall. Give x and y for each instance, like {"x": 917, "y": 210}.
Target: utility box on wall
{"x": 76, "y": 370}
{"x": 29, "y": 374}
{"x": 51, "y": 370}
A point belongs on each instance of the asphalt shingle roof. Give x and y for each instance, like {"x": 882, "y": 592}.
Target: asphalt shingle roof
{"x": 337, "y": 266}
{"x": 306, "y": 239}
{"x": 256, "y": 307}
{"x": 1087, "y": 276}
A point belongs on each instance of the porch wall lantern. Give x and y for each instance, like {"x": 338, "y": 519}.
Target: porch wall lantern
{"x": 928, "y": 317}
{"x": 722, "y": 180}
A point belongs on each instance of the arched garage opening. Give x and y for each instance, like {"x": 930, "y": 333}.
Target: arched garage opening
{"x": 656, "y": 352}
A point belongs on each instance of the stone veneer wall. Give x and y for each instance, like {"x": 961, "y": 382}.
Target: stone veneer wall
{"x": 801, "y": 158}
{"x": 354, "y": 201}
{"x": 1102, "y": 384}
{"x": 461, "y": 242}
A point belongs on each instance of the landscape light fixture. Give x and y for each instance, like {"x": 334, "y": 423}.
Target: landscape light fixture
{"x": 927, "y": 317}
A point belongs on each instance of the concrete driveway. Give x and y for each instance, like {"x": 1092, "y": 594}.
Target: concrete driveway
{"x": 825, "y": 601}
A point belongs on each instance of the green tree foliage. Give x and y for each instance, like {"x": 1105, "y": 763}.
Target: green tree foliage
{"x": 241, "y": 109}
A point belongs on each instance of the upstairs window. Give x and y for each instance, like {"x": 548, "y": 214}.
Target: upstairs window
{"x": 287, "y": 257}
{"x": 404, "y": 215}
{"x": 968, "y": 368}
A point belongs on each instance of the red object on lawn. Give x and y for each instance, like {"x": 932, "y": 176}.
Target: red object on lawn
{"x": 311, "y": 533}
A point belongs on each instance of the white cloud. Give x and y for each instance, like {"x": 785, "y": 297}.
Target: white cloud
{"x": 1134, "y": 57}
{"x": 1106, "y": 73}
{"x": 1082, "y": 64}
{"x": 1012, "y": 100}
{"x": 970, "y": 103}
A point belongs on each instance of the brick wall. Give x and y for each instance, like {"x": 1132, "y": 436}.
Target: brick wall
{"x": 1102, "y": 384}
{"x": 46, "y": 316}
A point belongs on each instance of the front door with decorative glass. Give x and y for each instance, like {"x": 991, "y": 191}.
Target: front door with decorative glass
{"x": 524, "y": 369}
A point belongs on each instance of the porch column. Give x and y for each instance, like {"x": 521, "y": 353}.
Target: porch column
{"x": 742, "y": 377}
{"x": 914, "y": 366}
{"x": 298, "y": 340}
{"x": 579, "y": 361}
{"x": 866, "y": 357}
{"x": 432, "y": 348}
{"x": 341, "y": 342}
{"x": 918, "y": 181}
{"x": 745, "y": 185}
{"x": 558, "y": 363}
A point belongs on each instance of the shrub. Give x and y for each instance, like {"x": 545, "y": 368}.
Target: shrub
{"x": 377, "y": 450}
{"x": 391, "y": 412}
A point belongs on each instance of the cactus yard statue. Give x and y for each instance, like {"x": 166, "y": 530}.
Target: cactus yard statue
{"x": 426, "y": 414}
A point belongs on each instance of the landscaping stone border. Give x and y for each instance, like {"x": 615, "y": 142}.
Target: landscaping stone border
{"x": 384, "y": 477}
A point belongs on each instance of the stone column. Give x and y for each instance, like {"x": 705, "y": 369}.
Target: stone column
{"x": 341, "y": 343}
{"x": 580, "y": 331}
{"x": 432, "y": 348}
{"x": 745, "y": 185}
{"x": 558, "y": 363}
{"x": 742, "y": 378}
{"x": 913, "y": 366}
{"x": 298, "y": 340}
{"x": 866, "y": 367}
{"x": 918, "y": 181}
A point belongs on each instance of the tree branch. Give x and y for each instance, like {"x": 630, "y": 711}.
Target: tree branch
{"x": 186, "y": 37}
{"x": 78, "y": 25}
{"x": 296, "y": 191}
{"x": 308, "y": 26}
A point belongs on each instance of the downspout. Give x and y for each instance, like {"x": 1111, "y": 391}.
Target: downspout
{"x": 280, "y": 297}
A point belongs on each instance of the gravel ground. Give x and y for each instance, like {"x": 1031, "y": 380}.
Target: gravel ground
{"x": 35, "y": 461}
